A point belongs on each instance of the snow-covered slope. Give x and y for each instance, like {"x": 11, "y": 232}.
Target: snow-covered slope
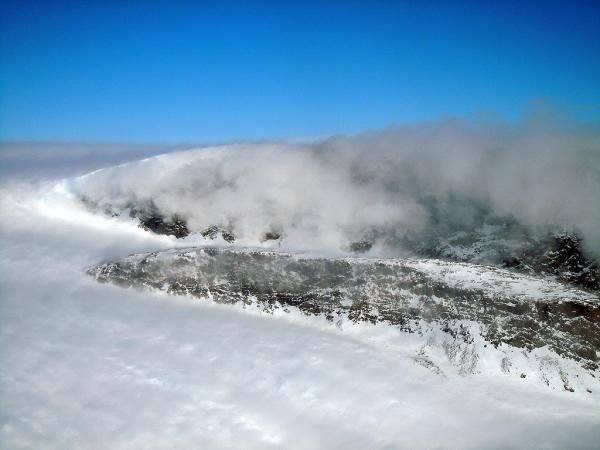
{"x": 502, "y": 309}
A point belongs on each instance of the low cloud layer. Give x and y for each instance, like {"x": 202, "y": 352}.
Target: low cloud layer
{"x": 35, "y": 161}
{"x": 385, "y": 186}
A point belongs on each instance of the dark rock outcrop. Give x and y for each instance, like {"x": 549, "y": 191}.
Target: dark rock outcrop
{"x": 157, "y": 224}
{"x": 213, "y": 232}
{"x": 507, "y": 244}
{"x": 361, "y": 246}
{"x": 152, "y": 220}
{"x": 271, "y": 236}
{"x": 565, "y": 260}
{"x": 560, "y": 255}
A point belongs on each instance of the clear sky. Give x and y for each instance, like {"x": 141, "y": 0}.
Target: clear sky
{"x": 173, "y": 71}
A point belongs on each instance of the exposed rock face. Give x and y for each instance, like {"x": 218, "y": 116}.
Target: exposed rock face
{"x": 213, "y": 231}
{"x": 149, "y": 216}
{"x": 566, "y": 261}
{"x": 271, "y": 236}
{"x": 174, "y": 227}
{"x": 152, "y": 220}
{"x": 361, "y": 246}
{"x": 521, "y": 311}
{"x": 559, "y": 254}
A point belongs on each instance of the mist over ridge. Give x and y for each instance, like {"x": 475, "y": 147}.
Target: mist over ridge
{"x": 387, "y": 186}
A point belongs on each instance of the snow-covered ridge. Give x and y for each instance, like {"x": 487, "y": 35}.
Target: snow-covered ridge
{"x": 492, "y": 280}
{"x": 464, "y": 302}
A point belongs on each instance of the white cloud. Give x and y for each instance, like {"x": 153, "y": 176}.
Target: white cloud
{"x": 390, "y": 183}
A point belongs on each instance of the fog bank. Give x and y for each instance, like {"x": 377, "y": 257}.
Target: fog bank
{"x": 389, "y": 186}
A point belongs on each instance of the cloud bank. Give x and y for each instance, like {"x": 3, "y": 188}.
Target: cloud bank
{"x": 391, "y": 186}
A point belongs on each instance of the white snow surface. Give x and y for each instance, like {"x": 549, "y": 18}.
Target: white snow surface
{"x": 85, "y": 365}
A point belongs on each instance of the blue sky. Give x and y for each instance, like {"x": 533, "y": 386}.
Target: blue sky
{"x": 172, "y": 72}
